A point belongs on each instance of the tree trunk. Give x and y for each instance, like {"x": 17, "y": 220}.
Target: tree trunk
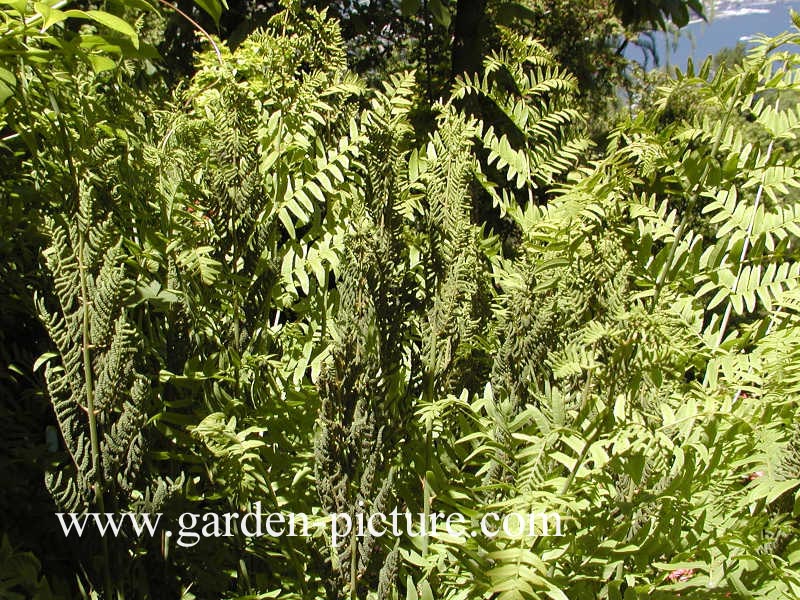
{"x": 468, "y": 32}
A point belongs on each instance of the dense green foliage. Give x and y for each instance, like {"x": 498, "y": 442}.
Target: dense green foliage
{"x": 270, "y": 286}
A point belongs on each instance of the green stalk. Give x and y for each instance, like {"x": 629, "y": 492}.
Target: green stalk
{"x": 745, "y": 245}
{"x": 94, "y": 438}
{"x": 293, "y": 558}
{"x": 198, "y": 27}
{"x": 353, "y": 560}
{"x": 33, "y": 20}
{"x": 662, "y": 276}
{"x": 426, "y": 488}
{"x": 428, "y": 397}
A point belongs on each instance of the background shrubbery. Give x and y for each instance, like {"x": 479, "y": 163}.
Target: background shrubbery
{"x": 445, "y": 289}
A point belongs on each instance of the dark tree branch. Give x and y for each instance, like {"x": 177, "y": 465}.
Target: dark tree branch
{"x": 469, "y": 21}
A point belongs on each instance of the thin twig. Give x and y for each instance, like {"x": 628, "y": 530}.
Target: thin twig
{"x": 198, "y": 27}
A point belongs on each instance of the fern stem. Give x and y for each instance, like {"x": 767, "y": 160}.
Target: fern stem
{"x": 428, "y": 398}
{"x": 26, "y": 104}
{"x": 595, "y": 435}
{"x": 199, "y": 28}
{"x": 584, "y": 402}
{"x": 353, "y": 560}
{"x": 32, "y": 20}
{"x": 301, "y": 576}
{"x": 426, "y": 486}
{"x": 662, "y": 276}
{"x": 746, "y": 244}
{"x": 598, "y": 430}
{"x": 94, "y": 439}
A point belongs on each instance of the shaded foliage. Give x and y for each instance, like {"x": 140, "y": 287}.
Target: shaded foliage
{"x": 266, "y": 289}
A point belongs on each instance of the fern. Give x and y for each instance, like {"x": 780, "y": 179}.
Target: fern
{"x": 97, "y": 397}
{"x": 534, "y": 101}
